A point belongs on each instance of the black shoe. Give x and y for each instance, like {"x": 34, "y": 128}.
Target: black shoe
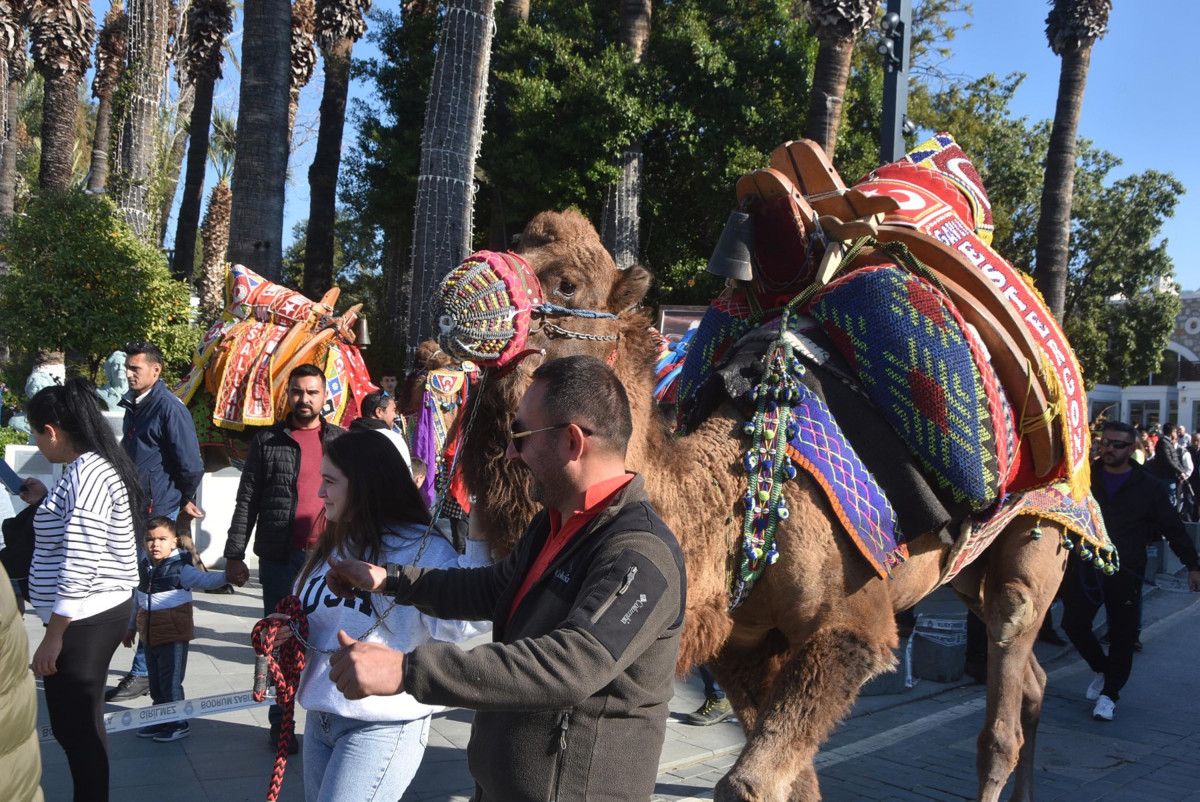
{"x": 293, "y": 743}
{"x": 130, "y": 687}
{"x": 713, "y": 711}
{"x": 1048, "y": 635}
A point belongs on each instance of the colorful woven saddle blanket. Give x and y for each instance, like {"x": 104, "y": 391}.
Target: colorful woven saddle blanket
{"x": 871, "y": 480}
{"x": 1081, "y": 522}
{"x": 928, "y": 374}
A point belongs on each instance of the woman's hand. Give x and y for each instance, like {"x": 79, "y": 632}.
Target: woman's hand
{"x": 284, "y": 633}
{"x": 45, "y": 659}
{"x": 33, "y": 491}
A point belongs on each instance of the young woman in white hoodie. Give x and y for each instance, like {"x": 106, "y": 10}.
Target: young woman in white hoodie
{"x": 369, "y": 749}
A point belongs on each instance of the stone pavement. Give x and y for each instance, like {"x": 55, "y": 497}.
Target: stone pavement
{"x": 914, "y": 745}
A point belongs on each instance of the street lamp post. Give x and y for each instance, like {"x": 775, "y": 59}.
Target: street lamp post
{"x": 894, "y": 46}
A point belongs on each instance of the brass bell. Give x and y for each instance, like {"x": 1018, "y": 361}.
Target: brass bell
{"x": 362, "y": 337}
{"x": 732, "y": 256}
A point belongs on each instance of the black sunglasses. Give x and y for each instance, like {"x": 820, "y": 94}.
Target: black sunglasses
{"x": 518, "y": 437}
{"x": 1117, "y": 444}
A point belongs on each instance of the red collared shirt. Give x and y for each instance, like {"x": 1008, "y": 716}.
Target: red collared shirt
{"x": 595, "y": 500}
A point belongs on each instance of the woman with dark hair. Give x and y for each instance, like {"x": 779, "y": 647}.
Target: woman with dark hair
{"x": 83, "y": 570}
{"x": 369, "y": 749}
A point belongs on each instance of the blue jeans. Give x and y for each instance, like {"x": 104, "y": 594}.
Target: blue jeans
{"x": 167, "y": 664}
{"x": 711, "y": 689}
{"x": 345, "y": 758}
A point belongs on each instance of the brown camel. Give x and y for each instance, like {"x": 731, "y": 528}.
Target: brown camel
{"x": 820, "y": 622}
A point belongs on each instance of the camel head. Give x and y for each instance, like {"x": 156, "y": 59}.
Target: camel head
{"x": 559, "y": 294}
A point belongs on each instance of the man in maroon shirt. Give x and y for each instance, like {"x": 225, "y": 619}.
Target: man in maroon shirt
{"x": 277, "y": 497}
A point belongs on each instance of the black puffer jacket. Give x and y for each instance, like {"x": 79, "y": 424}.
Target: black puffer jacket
{"x": 1139, "y": 513}
{"x": 266, "y": 497}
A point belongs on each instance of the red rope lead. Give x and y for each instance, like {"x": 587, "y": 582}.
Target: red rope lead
{"x": 285, "y": 662}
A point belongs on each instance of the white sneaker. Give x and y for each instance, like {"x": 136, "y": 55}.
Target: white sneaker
{"x": 1104, "y": 709}
{"x": 1093, "y": 691}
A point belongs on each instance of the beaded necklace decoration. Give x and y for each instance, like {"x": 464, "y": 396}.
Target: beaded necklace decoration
{"x": 766, "y": 461}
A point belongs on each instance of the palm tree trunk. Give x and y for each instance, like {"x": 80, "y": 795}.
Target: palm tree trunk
{"x": 216, "y": 241}
{"x": 98, "y": 175}
{"x": 323, "y": 174}
{"x": 442, "y": 224}
{"x": 620, "y": 222}
{"x": 1054, "y": 220}
{"x": 830, "y": 75}
{"x": 149, "y": 21}
{"x": 260, "y": 162}
{"x": 59, "y": 106}
{"x": 8, "y": 161}
{"x": 193, "y": 181}
{"x": 172, "y": 164}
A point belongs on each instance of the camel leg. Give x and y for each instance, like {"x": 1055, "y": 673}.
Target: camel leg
{"x": 1019, "y": 586}
{"x": 1031, "y": 714}
{"x": 813, "y": 692}
{"x": 746, "y": 674}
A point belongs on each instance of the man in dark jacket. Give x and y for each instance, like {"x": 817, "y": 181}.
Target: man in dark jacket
{"x": 572, "y": 694}
{"x": 1166, "y": 465}
{"x": 277, "y": 497}
{"x": 1136, "y": 510}
{"x": 159, "y": 436}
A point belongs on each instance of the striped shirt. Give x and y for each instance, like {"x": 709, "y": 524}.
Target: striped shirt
{"x": 84, "y": 555}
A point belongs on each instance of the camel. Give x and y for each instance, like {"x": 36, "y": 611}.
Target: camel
{"x": 820, "y": 623}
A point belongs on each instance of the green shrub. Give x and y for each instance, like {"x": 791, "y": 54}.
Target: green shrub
{"x": 81, "y": 281}
{"x": 11, "y": 437}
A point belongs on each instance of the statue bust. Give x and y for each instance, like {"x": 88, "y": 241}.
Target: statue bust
{"x": 117, "y": 383}
{"x": 44, "y": 375}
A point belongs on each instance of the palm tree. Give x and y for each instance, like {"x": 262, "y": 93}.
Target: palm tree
{"x": 215, "y": 233}
{"x": 260, "y": 162}
{"x": 837, "y": 25}
{"x": 1072, "y": 27}
{"x": 13, "y": 66}
{"x": 620, "y": 223}
{"x": 340, "y": 23}
{"x": 61, "y": 34}
{"x": 304, "y": 54}
{"x": 449, "y": 145}
{"x": 137, "y": 146}
{"x": 208, "y": 23}
{"x": 110, "y": 61}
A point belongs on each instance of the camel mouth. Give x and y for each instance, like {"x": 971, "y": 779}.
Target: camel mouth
{"x": 484, "y": 308}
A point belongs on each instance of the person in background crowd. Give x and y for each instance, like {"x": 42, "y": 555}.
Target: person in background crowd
{"x": 1141, "y": 451}
{"x": 163, "y": 617}
{"x": 379, "y": 414}
{"x": 1166, "y": 466}
{"x": 159, "y": 436}
{"x": 1136, "y": 508}
{"x": 83, "y": 571}
{"x": 20, "y": 759}
{"x": 369, "y": 749}
{"x": 1194, "y": 480}
{"x": 571, "y": 697}
{"x": 277, "y": 499}
{"x": 387, "y": 382}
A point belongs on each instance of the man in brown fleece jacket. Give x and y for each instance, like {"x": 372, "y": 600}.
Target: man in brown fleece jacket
{"x": 572, "y": 694}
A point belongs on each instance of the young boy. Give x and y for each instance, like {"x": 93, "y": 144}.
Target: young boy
{"x": 163, "y": 617}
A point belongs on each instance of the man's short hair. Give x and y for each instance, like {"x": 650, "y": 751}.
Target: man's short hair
{"x": 585, "y": 391}
{"x": 302, "y": 371}
{"x": 1119, "y": 426}
{"x": 373, "y": 402}
{"x": 146, "y": 349}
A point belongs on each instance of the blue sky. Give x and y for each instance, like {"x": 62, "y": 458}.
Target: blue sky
{"x": 1139, "y": 103}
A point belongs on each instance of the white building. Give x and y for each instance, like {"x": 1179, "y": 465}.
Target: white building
{"x": 1172, "y": 394}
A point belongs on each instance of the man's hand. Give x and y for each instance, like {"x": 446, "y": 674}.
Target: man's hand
{"x": 192, "y": 510}
{"x": 1194, "y": 581}
{"x": 347, "y": 576}
{"x": 236, "y": 571}
{"x": 366, "y": 669}
{"x": 130, "y": 634}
